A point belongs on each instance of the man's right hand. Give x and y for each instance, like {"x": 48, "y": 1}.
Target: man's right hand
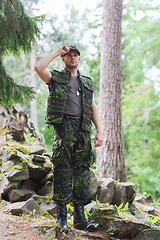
{"x": 63, "y": 49}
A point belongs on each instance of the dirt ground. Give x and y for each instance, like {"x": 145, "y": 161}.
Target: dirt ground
{"x": 21, "y": 228}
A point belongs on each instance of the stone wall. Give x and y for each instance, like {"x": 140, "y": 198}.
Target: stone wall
{"x": 26, "y": 181}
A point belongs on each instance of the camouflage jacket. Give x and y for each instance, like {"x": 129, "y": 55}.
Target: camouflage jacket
{"x": 58, "y": 89}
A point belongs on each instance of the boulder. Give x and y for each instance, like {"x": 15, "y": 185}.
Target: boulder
{"x": 38, "y": 158}
{"x": 6, "y": 185}
{"x": 5, "y": 166}
{"x": 4, "y": 112}
{"x": 29, "y": 185}
{"x": 122, "y": 225}
{"x": 46, "y": 205}
{"x": 8, "y": 153}
{"x": 93, "y": 186}
{"x": 37, "y": 150}
{"x": 46, "y": 190}
{"x": 18, "y": 109}
{"x": 148, "y": 234}
{"x": 19, "y": 208}
{"x": 3, "y": 121}
{"x": 36, "y": 173}
{"x": 16, "y": 195}
{"x": 18, "y": 175}
{"x": 105, "y": 190}
{"x": 16, "y": 130}
{"x": 123, "y": 193}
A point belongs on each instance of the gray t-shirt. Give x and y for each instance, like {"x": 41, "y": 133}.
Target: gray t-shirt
{"x": 74, "y": 100}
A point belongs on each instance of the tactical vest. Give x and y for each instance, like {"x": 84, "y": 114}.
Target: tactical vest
{"x": 58, "y": 90}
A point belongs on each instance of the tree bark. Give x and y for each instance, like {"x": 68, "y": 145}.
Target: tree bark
{"x": 33, "y": 83}
{"x": 110, "y": 157}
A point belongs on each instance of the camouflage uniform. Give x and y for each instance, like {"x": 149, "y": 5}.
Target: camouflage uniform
{"x": 72, "y": 153}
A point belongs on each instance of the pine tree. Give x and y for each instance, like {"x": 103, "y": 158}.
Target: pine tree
{"x": 17, "y": 33}
{"x": 110, "y": 157}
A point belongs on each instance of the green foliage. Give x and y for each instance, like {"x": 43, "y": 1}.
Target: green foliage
{"x": 29, "y": 137}
{"x": 69, "y": 206}
{"x": 18, "y": 28}
{"x": 47, "y": 199}
{"x": 141, "y": 119}
{"x": 153, "y": 219}
{"x": 18, "y": 32}
{"x": 120, "y": 208}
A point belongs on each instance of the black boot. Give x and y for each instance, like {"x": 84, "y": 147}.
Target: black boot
{"x": 80, "y": 222}
{"x": 62, "y": 217}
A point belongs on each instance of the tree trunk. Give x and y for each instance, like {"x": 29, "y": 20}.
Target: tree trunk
{"x": 110, "y": 157}
{"x": 33, "y": 83}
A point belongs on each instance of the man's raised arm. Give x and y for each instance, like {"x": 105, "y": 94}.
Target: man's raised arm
{"x": 41, "y": 65}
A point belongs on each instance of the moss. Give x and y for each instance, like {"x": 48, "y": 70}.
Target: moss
{"x": 38, "y": 201}
{"x": 11, "y": 150}
{"x": 22, "y": 159}
{"x": 1, "y": 174}
{"x": 16, "y": 167}
{"x": 50, "y": 177}
{"x": 47, "y": 183}
{"x": 47, "y": 199}
{"x": 23, "y": 149}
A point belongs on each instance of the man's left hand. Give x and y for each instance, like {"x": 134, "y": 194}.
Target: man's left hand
{"x": 98, "y": 141}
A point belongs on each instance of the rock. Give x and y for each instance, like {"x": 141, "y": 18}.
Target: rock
{"x": 17, "y": 131}
{"x": 93, "y": 186}
{"x": 8, "y": 153}
{"x": 36, "y": 173}
{"x": 18, "y": 109}
{"x": 29, "y": 184}
{"x": 38, "y": 158}
{"x": 18, "y": 175}
{"x": 148, "y": 234}
{"x": 105, "y": 190}
{"x": 49, "y": 228}
{"x": 89, "y": 207}
{"x": 122, "y": 225}
{"x": 50, "y": 207}
{"x": 37, "y": 150}
{"x": 16, "y": 195}
{"x": 123, "y": 193}
{"x": 9, "y": 164}
{"x": 149, "y": 210}
{"x": 19, "y": 208}
{"x": 46, "y": 190}
{"x": 6, "y": 185}
{"x": 48, "y": 166}
{"x": 4, "y": 112}
{"x": 148, "y": 198}
{"x": 9, "y": 136}
{"x": 3, "y": 121}
{"x": 139, "y": 199}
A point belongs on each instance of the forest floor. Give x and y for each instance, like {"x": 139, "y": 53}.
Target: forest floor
{"x": 26, "y": 227}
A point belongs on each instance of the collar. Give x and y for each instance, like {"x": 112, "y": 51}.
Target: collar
{"x": 65, "y": 70}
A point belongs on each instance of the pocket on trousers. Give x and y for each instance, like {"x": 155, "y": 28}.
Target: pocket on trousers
{"x": 56, "y": 148}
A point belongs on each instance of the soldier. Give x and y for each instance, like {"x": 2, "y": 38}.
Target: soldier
{"x": 71, "y": 108}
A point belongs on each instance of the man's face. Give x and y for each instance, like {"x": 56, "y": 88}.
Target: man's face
{"x": 71, "y": 59}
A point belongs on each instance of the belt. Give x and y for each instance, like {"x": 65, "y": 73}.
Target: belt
{"x": 72, "y": 117}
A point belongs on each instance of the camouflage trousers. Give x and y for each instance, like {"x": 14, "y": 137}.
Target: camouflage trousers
{"x": 72, "y": 156}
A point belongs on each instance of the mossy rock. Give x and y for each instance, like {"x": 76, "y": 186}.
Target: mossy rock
{"x": 11, "y": 150}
